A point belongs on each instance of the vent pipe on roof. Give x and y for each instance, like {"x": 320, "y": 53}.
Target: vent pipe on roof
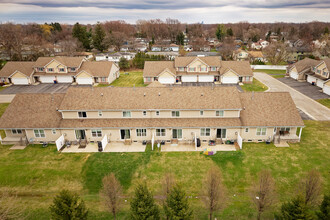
{"x": 159, "y": 94}
{"x": 202, "y": 94}
{"x": 101, "y": 94}
{"x": 144, "y": 94}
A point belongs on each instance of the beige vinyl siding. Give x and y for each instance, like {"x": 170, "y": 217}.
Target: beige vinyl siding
{"x": 197, "y": 65}
{"x": 152, "y": 114}
{"x": 114, "y": 73}
{"x": 10, "y": 134}
{"x": 49, "y": 136}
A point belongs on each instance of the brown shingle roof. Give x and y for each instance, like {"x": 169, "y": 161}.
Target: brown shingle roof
{"x": 67, "y": 61}
{"x": 151, "y": 123}
{"x": 33, "y": 111}
{"x": 107, "y": 98}
{"x": 184, "y": 61}
{"x": 304, "y": 64}
{"x": 24, "y": 67}
{"x": 97, "y": 68}
{"x": 154, "y": 68}
{"x": 242, "y": 68}
{"x": 269, "y": 109}
{"x": 156, "y": 84}
{"x": 256, "y": 54}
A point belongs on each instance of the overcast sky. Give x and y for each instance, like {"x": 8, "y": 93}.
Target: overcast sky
{"x": 190, "y": 11}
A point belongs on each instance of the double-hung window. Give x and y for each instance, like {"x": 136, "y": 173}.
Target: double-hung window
{"x": 40, "y": 69}
{"x": 181, "y": 69}
{"x": 261, "y": 131}
{"x": 96, "y": 133}
{"x": 16, "y": 131}
{"x": 201, "y": 113}
{"x": 39, "y": 133}
{"x": 192, "y": 69}
{"x": 141, "y": 132}
{"x": 285, "y": 129}
{"x": 160, "y": 132}
{"x": 175, "y": 113}
{"x": 61, "y": 69}
{"x": 219, "y": 113}
{"x": 205, "y": 131}
{"x": 203, "y": 69}
{"x": 50, "y": 69}
{"x": 100, "y": 113}
{"x": 213, "y": 68}
{"x": 82, "y": 114}
{"x": 126, "y": 114}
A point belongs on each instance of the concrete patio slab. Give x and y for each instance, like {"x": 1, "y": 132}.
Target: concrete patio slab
{"x": 17, "y": 147}
{"x": 111, "y": 147}
{"x": 187, "y": 147}
{"x": 282, "y": 144}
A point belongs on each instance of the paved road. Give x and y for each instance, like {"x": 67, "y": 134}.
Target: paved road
{"x": 6, "y": 98}
{"x": 312, "y": 108}
{"x": 305, "y": 88}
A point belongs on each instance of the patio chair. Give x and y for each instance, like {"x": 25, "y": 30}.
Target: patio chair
{"x": 68, "y": 144}
{"x": 44, "y": 144}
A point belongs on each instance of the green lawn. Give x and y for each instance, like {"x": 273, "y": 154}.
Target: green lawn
{"x": 273, "y": 73}
{"x": 325, "y": 102}
{"x": 36, "y": 174}
{"x": 134, "y": 78}
{"x": 255, "y": 86}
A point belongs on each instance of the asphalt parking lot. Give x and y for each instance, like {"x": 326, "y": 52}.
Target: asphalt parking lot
{"x": 305, "y": 88}
{"x": 41, "y": 88}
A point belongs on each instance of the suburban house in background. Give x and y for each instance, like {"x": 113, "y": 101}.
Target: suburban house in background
{"x": 257, "y": 56}
{"x": 313, "y": 71}
{"x": 139, "y": 115}
{"x": 197, "y": 69}
{"x": 241, "y": 55}
{"x": 261, "y": 44}
{"x": 59, "y": 70}
{"x": 114, "y": 57}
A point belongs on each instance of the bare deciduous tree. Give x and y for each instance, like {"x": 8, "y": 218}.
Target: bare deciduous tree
{"x": 276, "y": 53}
{"x": 312, "y": 187}
{"x": 263, "y": 193}
{"x": 213, "y": 193}
{"x": 168, "y": 183}
{"x": 111, "y": 192}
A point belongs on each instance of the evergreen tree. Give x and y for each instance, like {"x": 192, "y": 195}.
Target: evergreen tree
{"x": 230, "y": 32}
{"x": 98, "y": 38}
{"x": 82, "y": 35}
{"x": 68, "y": 206}
{"x": 123, "y": 63}
{"x": 326, "y": 30}
{"x": 295, "y": 209}
{"x": 143, "y": 205}
{"x": 180, "y": 38}
{"x": 324, "y": 213}
{"x": 176, "y": 205}
{"x": 56, "y": 26}
{"x": 220, "y": 32}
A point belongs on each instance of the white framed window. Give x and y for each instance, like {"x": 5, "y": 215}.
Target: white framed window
{"x": 126, "y": 114}
{"x": 61, "y": 69}
{"x": 247, "y": 78}
{"x": 73, "y": 69}
{"x": 201, "y": 113}
{"x": 82, "y": 114}
{"x": 261, "y": 131}
{"x": 39, "y": 133}
{"x": 40, "y": 69}
{"x": 213, "y": 68}
{"x": 144, "y": 113}
{"x": 160, "y": 132}
{"x": 192, "y": 69}
{"x": 175, "y": 113}
{"x": 205, "y": 131}
{"x": 148, "y": 79}
{"x": 157, "y": 113}
{"x": 203, "y": 69}
{"x": 53, "y": 131}
{"x": 96, "y": 133}
{"x": 285, "y": 129}
{"x": 50, "y": 69}
{"x": 219, "y": 113}
{"x": 246, "y": 130}
{"x": 181, "y": 68}
{"x": 100, "y": 113}
{"x": 103, "y": 79}
{"x": 177, "y": 133}
{"x": 141, "y": 132}
{"x": 16, "y": 131}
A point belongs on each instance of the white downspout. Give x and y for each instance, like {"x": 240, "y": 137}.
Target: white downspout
{"x": 300, "y": 133}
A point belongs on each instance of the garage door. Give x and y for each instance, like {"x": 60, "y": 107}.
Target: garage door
{"x": 190, "y": 78}
{"x": 47, "y": 79}
{"x": 294, "y": 75}
{"x": 311, "y": 79}
{"x": 85, "y": 81}
{"x": 320, "y": 83}
{"x": 166, "y": 80}
{"x": 64, "y": 79}
{"x": 205, "y": 78}
{"x": 326, "y": 89}
{"x": 230, "y": 80}
{"x": 20, "y": 81}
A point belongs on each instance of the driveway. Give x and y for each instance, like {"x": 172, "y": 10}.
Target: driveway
{"x": 312, "y": 108}
{"x": 305, "y": 88}
{"x": 41, "y": 88}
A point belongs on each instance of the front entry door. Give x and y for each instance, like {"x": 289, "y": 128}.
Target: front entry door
{"x": 125, "y": 134}
{"x": 221, "y": 133}
{"x": 80, "y": 134}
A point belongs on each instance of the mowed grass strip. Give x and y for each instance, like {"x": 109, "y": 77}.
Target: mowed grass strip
{"x": 325, "y": 102}
{"x": 133, "y": 78}
{"x": 255, "y": 86}
{"x": 273, "y": 73}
